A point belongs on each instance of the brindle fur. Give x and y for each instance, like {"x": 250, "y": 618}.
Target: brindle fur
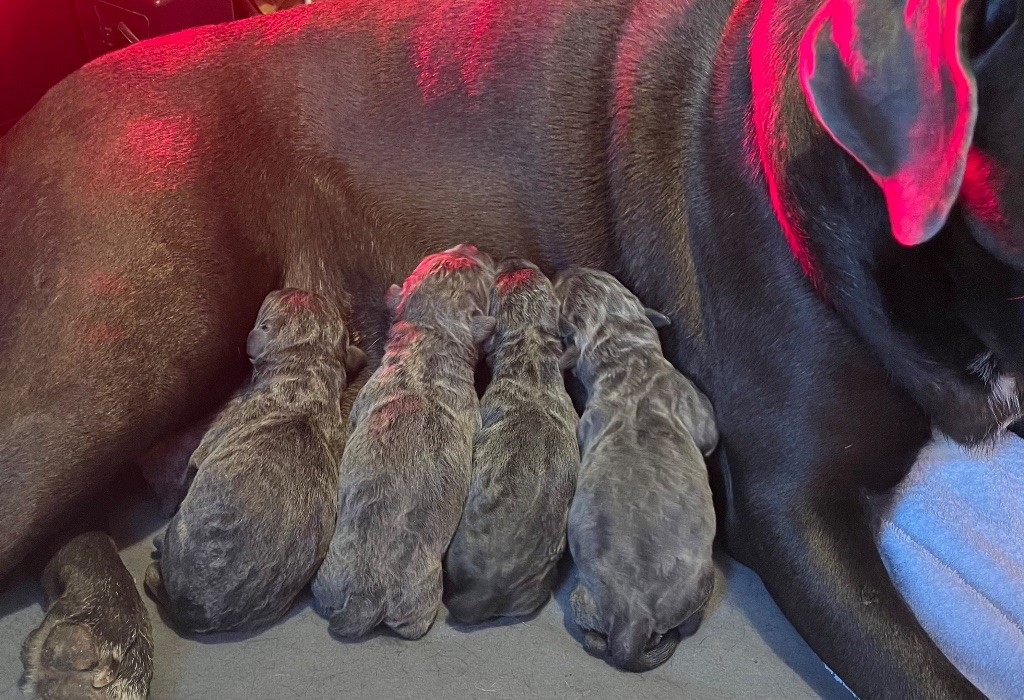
{"x": 309, "y": 147}
{"x": 259, "y": 514}
{"x": 408, "y": 463}
{"x": 642, "y": 522}
{"x": 525, "y": 457}
{"x": 96, "y": 642}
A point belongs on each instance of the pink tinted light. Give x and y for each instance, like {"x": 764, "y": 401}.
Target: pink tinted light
{"x": 513, "y": 279}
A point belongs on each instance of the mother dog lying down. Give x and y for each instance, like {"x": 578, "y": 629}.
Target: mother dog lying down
{"x": 789, "y": 187}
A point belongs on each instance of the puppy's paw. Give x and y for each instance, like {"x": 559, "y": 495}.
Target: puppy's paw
{"x": 584, "y": 610}
{"x": 416, "y": 627}
{"x": 358, "y": 617}
{"x": 66, "y": 659}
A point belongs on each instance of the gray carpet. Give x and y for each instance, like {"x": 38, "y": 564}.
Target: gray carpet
{"x": 745, "y": 649}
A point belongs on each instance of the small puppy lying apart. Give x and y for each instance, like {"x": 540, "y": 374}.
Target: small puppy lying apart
{"x": 642, "y": 521}
{"x": 407, "y": 466}
{"x": 502, "y": 560}
{"x": 259, "y": 514}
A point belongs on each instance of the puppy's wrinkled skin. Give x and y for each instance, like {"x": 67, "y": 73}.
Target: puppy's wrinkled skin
{"x": 642, "y": 522}
{"x": 260, "y": 511}
{"x": 525, "y": 457}
{"x": 408, "y": 463}
{"x": 96, "y": 642}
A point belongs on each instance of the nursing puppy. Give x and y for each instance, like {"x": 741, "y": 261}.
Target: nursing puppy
{"x": 525, "y": 457}
{"x": 259, "y": 514}
{"x": 407, "y": 467}
{"x": 642, "y": 521}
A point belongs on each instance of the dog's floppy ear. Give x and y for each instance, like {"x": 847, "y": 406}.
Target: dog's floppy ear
{"x": 256, "y": 343}
{"x": 658, "y": 319}
{"x": 889, "y": 82}
{"x": 355, "y": 360}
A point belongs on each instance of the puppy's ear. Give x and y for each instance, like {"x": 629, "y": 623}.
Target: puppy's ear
{"x": 482, "y": 327}
{"x": 657, "y": 318}
{"x": 355, "y": 360}
{"x": 888, "y": 80}
{"x": 256, "y": 344}
{"x": 393, "y": 297}
{"x": 570, "y": 356}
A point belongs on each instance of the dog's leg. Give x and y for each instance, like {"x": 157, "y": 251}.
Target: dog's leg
{"x": 814, "y": 549}
{"x": 96, "y": 640}
{"x": 102, "y": 357}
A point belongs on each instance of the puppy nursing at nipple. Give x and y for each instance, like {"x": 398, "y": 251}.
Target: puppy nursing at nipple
{"x": 407, "y": 466}
{"x": 525, "y": 457}
{"x": 258, "y": 517}
{"x": 642, "y": 521}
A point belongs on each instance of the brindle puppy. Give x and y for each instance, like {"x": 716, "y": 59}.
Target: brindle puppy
{"x": 407, "y": 467}
{"x": 642, "y": 521}
{"x": 257, "y": 519}
{"x": 525, "y": 457}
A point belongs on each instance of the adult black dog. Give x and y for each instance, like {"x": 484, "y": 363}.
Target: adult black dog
{"x": 758, "y": 169}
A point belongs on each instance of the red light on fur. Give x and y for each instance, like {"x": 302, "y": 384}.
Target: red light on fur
{"x": 102, "y": 334}
{"x": 446, "y": 261}
{"x": 510, "y": 280}
{"x": 158, "y": 151}
{"x": 767, "y": 76}
{"x": 299, "y": 300}
{"x": 107, "y": 284}
{"x": 920, "y": 190}
{"x": 980, "y": 191}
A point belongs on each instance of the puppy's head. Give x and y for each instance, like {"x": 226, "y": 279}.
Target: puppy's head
{"x": 523, "y": 296}
{"x": 591, "y": 299}
{"x": 290, "y": 318}
{"x": 452, "y": 284}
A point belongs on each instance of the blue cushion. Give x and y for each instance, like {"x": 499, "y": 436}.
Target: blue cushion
{"x": 952, "y": 538}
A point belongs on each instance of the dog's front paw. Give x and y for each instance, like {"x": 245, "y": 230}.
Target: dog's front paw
{"x": 95, "y": 642}
{"x": 65, "y": 658}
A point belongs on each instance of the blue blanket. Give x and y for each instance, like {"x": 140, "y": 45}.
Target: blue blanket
{"x": 952, "y": 538}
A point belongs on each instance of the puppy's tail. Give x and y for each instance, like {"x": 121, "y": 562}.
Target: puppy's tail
{"x": 634, "y": 647}
{"x": 358, "y": 618}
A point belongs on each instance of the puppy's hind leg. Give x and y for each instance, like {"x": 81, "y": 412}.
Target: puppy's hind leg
{"x": 418, "y": 610}
{"x": 416, "y": 627}
{"x": 360, "y": 616}
{"x": 588, "y": 619}
{"x": 96, "y": 641}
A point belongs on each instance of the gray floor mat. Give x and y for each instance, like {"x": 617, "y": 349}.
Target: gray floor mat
{"x": 745, "y": 649}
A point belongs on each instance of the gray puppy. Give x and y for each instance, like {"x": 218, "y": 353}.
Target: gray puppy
{"x": 407, "y": 466}
{"x": 525, "y": 457}
{"x": 258, "y": 517}
{"x": 642, "y": 521}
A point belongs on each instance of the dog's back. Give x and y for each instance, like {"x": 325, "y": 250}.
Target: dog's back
{"x": 501, "y": 561}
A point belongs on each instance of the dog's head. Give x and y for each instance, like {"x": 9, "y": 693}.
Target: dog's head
{"x": 896, "y": 172}
{"x": 291, "y": 317}
{"x": 590, "y": 300}
{"x": 924, "y": 95}
{"x": 523, "y": 296}
{"x": 457, "y": 280}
